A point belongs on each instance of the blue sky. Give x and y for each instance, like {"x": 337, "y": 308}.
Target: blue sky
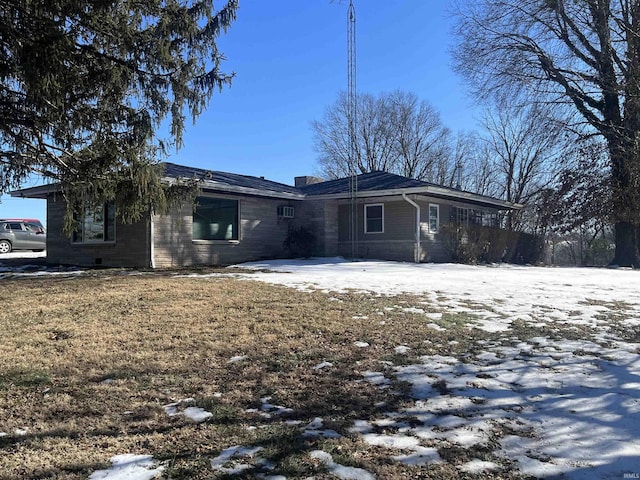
{"x": 290, "y": 63}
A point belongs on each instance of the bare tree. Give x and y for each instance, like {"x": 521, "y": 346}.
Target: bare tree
{"x": 576, "y": 209}
{"x": 375, "y": 150}
{"x": 395, "y": 133}
{"x": 526, "y": 149}
{"x": 581, "y": 53}
{"x": 473, "y": 169}
{"x": 376, "y": 134}
{"x": 422, "y": 141}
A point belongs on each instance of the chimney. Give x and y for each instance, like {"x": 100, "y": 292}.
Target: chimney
{"x": 307, "y": 180}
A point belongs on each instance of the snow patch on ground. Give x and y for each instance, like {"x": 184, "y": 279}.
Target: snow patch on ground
{"x": 573, "y": 412}
{"x": 477, "y": 466}
{"x": 315, "y": 429}
{"x": 129, "y": 467}
{"x": 231, "y": 460}
{"x": 187, "y": 408}
{"x": 322, "y": 365}
{"x": 237, "y": 358}
{"x": 556, "y": 407}
{"x": 340, "y": 471}
{"x": 499, "y": 294}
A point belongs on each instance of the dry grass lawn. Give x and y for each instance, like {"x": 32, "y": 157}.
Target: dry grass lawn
{"x": 87, "y": 363}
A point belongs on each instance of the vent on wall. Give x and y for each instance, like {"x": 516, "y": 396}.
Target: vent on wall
{"x": 285, "y": 211}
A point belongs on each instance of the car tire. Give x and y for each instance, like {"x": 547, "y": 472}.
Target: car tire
{"x": 5, "y": 246}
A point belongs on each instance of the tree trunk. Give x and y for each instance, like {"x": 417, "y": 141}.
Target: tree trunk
{"x": 624, "y": 197}
{"x": 626, "y": 246}
{"x": 625, "y": 155}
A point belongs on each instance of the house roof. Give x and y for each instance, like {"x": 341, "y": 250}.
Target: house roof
{"x": 231, "y": 182}
{"x": 373, "y": 184}
{"x": 367, "y": 182}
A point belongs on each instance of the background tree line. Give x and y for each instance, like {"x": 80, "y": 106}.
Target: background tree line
{"x": 523, "y": 153}
{"x": 578, "y": 57}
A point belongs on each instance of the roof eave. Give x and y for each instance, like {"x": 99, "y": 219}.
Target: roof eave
{"x": 429, "y": 190}
{"x": 41, "y": 191}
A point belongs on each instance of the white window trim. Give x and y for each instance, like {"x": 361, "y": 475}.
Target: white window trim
{"x": 366, "y": 217}
{"x": 285, "y": 211}
{"x": 437, "y": 218}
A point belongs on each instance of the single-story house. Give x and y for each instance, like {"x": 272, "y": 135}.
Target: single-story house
{"x": 238, "y": 218}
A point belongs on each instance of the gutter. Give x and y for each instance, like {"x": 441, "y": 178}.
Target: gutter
{"x": 417, "y": 249}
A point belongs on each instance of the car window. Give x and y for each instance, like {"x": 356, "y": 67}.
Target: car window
{"x": 15, "y": 226}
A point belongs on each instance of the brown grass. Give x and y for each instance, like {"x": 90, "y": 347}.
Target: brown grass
{"x": 86, "y": 365}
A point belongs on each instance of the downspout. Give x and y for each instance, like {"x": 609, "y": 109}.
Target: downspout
{"x": 417, "y": 250}
{"x": 152, "y": 253}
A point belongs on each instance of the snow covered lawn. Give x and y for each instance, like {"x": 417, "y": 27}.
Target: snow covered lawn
{"x": 353, "y": 370}
{"x": 559, "y": 379}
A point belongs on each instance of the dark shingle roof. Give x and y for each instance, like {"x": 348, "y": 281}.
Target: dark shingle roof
{"x": 368, "y": 185}
{"x": 229, "y": 179}
{"x": 385, "y": 183}
{"x": 367, "y": 182}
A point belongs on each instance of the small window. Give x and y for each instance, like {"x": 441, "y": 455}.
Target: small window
{"x": 374, "y": 218}
{"x": 434, "y": 218}
{"x": 215, "y": 219}
{"x": 285, "y": 211}
{"x": 96, "y": 224}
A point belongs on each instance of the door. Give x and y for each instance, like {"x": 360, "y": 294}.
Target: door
{"x": 24, "y": 239}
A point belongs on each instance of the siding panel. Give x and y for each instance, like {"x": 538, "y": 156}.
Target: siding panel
{"x": 262, "y": 235}
{"x": 131, "y": 248}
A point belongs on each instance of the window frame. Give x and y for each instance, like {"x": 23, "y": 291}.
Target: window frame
{"x": 285, "y": 211}
{"x": 366, "y": 218}
{"x": 237, "y": 221}
{"x": 437, "y": 207}
{"x": 467, "y": 216}
{"x": 78, "y": 237}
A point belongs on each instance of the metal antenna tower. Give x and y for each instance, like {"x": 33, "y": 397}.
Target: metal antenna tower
{"x": 352, "y": 116}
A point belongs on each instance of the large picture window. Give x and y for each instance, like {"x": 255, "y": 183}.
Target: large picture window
{"x": 215, "y": 219}
{"x": 96, "y": 224}
{"x": 374, "y": 218}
